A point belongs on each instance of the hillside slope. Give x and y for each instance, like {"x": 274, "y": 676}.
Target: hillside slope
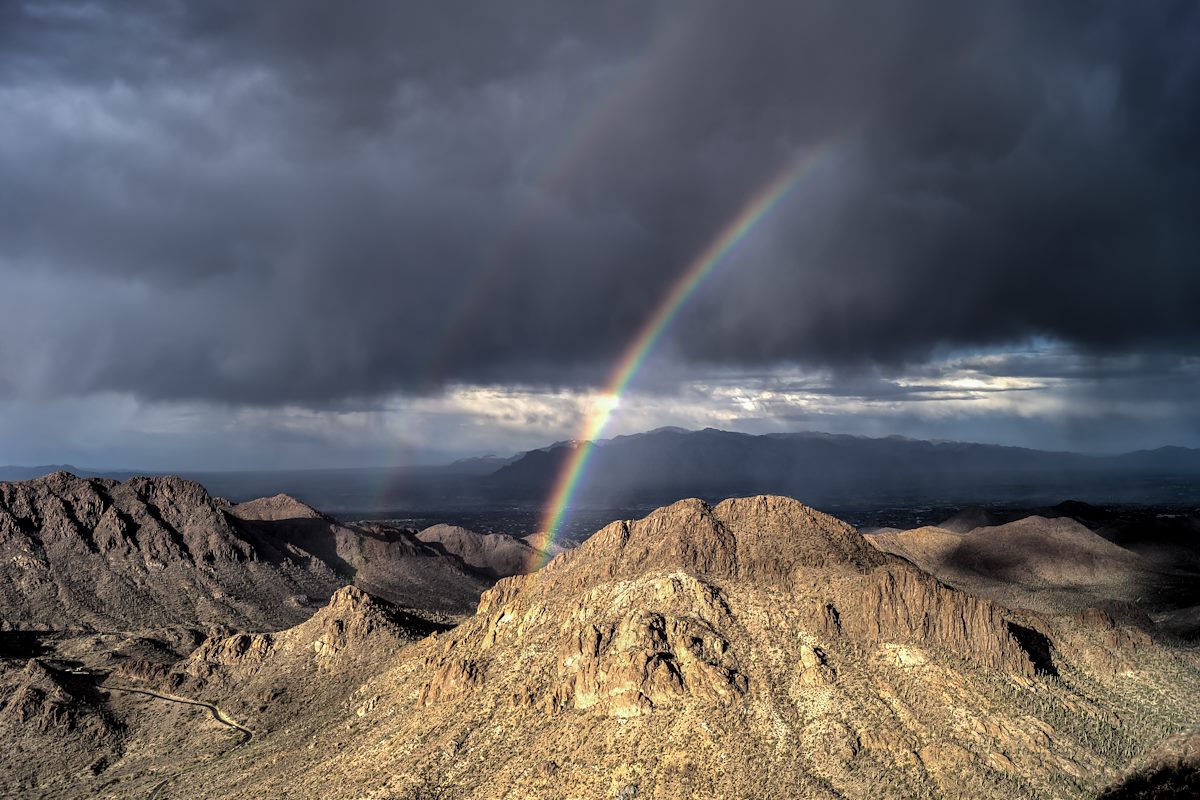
{"x": 756, "y": 648}
{"x": 1052, "y": 565}
{"x": 149, "y": 553}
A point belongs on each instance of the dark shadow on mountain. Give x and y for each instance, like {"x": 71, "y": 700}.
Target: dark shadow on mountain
{"x": 313, "y": 536}
{"x": 1175, "y": 782}
{"x": 1158, "y": 575}
{"x": 22, "y": 644}
{"x": 1037, "y": 646}
{"x": 481, "y": 573}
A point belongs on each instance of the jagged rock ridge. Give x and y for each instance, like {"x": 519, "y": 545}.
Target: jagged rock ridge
{"x": 143, "y": 553}
{"x": 153, "y": 552}
{"x": 779, "y": 542}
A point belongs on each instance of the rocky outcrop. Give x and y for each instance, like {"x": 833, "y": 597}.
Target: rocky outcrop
{"x": 628, "y": 664}
{"x": 50, "y": 725}
{"x": 497, "y": 555}
{"x": 352, "y": 631}
{"x": 848, "y": 587}
{"x": 900, "y": 604}
{"x": 35, "y": 699}
{"x": 350, "y": 619}
{"x": 155, "y": 552}
{"x": 450, "y": 679}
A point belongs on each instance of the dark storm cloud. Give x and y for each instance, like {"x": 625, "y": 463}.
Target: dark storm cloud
{"x": 304, "y": 202}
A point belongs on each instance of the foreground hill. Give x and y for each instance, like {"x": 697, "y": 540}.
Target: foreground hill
{"x": 753, "y": 649}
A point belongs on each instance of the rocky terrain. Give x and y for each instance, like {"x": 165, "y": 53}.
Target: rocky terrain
{"x": 496, "y": 554}
{"x": 1057, "y": 563}
{"x": 392, "y": 563}
{"x": 146, "y": 553}
{"x": 757, "y": 648}
{"x": 1170, "y": 770}
{"x": 153, "y": 553}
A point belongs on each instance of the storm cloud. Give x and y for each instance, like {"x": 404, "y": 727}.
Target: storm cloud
{"x": 304, "y": 203}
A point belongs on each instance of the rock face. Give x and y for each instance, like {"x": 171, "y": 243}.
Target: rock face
{"x": 49, "y": 726}
{"x": 352, "y": 625}
{"x": 294, "y": 678}
{"x": 1047, "y": 564}
{"x": 497, "y": 555}
{"x": 391, "y": 563}
{"x": 654, "y": 659}
{"x": 149, "y": 552}
{"x": 154, "y": 552}
{"x": 753, "y": 649}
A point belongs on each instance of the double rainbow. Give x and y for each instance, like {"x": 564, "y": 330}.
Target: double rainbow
{"x": 634, "y": 357}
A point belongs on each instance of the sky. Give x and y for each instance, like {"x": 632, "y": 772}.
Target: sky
{"x": 306, "y": 234}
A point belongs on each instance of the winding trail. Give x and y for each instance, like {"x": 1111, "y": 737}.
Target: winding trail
{"x": 216, "y": 713}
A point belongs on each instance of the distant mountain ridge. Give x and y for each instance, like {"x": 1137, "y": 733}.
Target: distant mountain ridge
{"x": 645, "y": 469}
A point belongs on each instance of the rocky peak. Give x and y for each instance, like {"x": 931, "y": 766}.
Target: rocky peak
{"x": 764, "y": 538}
{"x": 646, "y": 612}
{"x": 276, "y": 508}
{"x": 354, "y": 609}
{"x": 344, "y": 638}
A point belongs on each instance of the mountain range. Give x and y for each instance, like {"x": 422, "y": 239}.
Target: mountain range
{"x": 643, "y": 470}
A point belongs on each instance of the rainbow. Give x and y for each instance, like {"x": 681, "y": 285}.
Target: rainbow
{"x": 634, "y": 357}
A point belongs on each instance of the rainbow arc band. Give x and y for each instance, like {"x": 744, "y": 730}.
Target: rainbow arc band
{"x": 751, "y": 214}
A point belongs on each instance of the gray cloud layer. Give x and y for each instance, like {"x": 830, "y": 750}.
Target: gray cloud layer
{"x": 304, "y": 202}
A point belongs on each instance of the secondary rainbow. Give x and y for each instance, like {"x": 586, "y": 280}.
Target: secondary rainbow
{"x": 753, "y": 212}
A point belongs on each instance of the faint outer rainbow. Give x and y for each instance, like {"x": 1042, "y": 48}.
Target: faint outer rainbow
{"x": 599, "y": 118}
{"x": 635, "y": 355}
